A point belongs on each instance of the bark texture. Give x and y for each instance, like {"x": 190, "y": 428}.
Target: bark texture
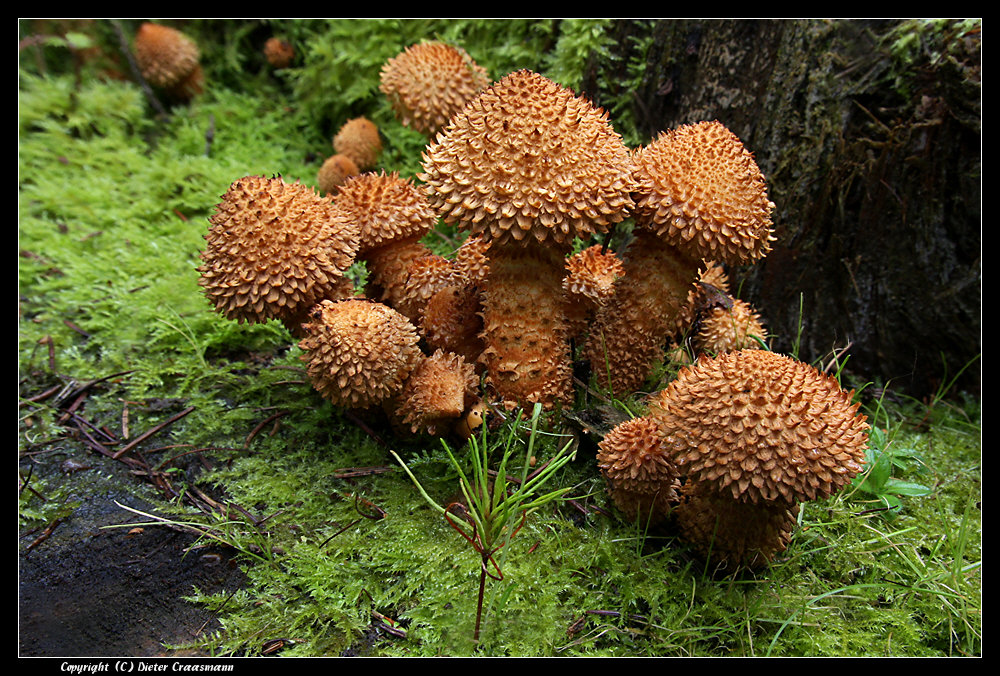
{"x": 869, "y": 134}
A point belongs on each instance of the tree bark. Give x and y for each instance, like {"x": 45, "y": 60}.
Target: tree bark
{"x": 869, "y": 134}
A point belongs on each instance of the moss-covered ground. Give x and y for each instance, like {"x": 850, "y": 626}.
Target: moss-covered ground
{"x": 342, "y": 554}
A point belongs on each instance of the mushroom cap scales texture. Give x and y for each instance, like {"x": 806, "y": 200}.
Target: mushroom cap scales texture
{"x": 641, "y": 477}
{"x": 704, "y": 193}
{"x": 528, "y": 159}
{"x": 761, "y": 426}
{"x": 165, "y": 56}
{"x": 386, "y": 207}
{"x": 359, "y": 354}
{"x": 359, "y": 139}
{"x": 273, "y": 250}
{"x": 429, "y": 82}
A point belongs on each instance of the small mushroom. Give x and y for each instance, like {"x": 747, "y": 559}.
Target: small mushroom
{"x": 359, "y": 139}
{"x": 641, "y": 479}
{"x": 334, "y": 172}
{"x": 362, "y": 354}
{"x": 165, "y": 55}
{"x": 275, "y": 249}
{"x": 589, "y": 284}
{"x": 279, "y": 53}
{"x": 392, "y": 215}
{"x": 729, "y": 328}
{"x": 528, "y": 166}
{"x": 429, "y": 82}
{"x": 701, "y": 196}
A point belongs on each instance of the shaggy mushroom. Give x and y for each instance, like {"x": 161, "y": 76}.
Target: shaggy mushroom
{"x": 729, "y": 328}
{"x": 641, "y": 479}
{"x": 702, "y": 196}
{"x": 358, "y": 138}
{"x": 334, "y": 172}
{"x": 589, "y": 284}
{"x": 165, "y": 56}
{"x": 275, "y": 249}
{"x": 429, "y": 82}
{"x": 392, "y": 215}
{"x": 528, "y": 166}
{"x": 362, "y": 354}
{"x": 761, "y": 427}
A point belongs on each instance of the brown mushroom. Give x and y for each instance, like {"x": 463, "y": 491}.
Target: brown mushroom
{"x": 761, "y": 427}
{"x": 589, "y": 284}
{"x": 429, "y": 82}
{"x": 334, "y": 171}
{"x": 641, "y": 479}
{"x": 359, "y": 139}
{"x": 362, "y": 354}
{"x": 702, "y": 196}
{"x": 275, "y": 249}
{"x": 528, "y": 166}
{"x": 165, "y": 56}
{"x": 392, "y": 215}
{"x": 279, "y": 53}
{"x": 729, "y": 328}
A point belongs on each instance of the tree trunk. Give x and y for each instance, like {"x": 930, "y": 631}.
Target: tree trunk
{"x": 869, "y": 134}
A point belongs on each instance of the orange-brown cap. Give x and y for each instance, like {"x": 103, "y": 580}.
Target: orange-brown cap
{"x": 273, "y": 250}
{"x": 703, "y": 192}
{"x": 429, "y": 82}
{"x": 528, "y": 159}
{"x": 761, "y": 426}
{"x": 165, "y": 56}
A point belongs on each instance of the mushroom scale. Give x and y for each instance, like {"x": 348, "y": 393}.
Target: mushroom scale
{"x": 528, "y": 166}
{"x": 641, "y": 478}
{"x": 701, "y": 196}
{"x": 760, "y": 426}
{"x": 274, "y": 249}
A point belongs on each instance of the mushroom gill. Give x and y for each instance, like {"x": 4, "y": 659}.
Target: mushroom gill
{"x": 528, "y": 166}
{"x": 701, "y": 196}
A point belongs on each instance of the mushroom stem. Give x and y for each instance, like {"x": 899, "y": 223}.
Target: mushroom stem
{"x": 527, "y": 353}
{"x": 629, "y": 334}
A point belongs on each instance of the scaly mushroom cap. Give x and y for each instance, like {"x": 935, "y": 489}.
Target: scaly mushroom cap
{"x": 732, "y": 534}
{"x": 713, "y": 275}
{"x": 359, "y": 354}
{"x": 334, "y": 172}
{"x": 279, "y": 53}
{"x": 165, "y": 56}
{"x": 471, "y": 260}
{"x": 274, "y": 249}
{"x": 761, "y": 426}
{"x": 641, "y": 478}
{"x": 729, "y": 329}
{"x": 426, "y": 276}
{"x": 436, "y": 394}
{"x": 387, "y": 209}
{"x": 705, "y": 194}
{"x": 359, "y": 140}
{"x": 591, "y": 275}
{"x": 528, "y": 158}
{"x": 428, "y": 83}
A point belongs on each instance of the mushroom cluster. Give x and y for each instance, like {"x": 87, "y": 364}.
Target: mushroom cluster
{"x": 750, "y": 435}
{"x": 534, "y": 173}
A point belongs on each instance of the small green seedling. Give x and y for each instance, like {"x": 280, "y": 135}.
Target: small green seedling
{"x": 496, "y": 507}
